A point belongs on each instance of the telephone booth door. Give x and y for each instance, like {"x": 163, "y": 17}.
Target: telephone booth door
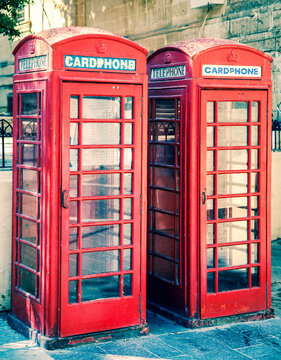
{"x": 101, "y": 189}
{"x": 233, "y": 202}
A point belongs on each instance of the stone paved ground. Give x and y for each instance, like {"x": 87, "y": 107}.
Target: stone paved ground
{"x": 259, "y": 340}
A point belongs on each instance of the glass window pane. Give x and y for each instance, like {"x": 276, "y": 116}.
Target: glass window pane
{"x": 211, "y": 210}
{"x": 164, "y": 246}
{"x": 255, "y": 111}
{"x": 73, "y": 186}
{"x": 28, "y": 256}
{"x": 255, "y": 182}
{"x": 254, "y": 159}
{"x": 255, "y": 206}
{"x": 73, "y": 164}
{"x": 127, "y": 259}
{"x": 210, "y": 160}
{"x": 101, "y": 159}
{"x": 235, "y": 111}
{"x": 165, "y": 109}
{"x": 164, "y": 131}
{"x": 101, "y": 185}
{"x": 163, "y": 177}
{"x": 254, "y": 229}
{"x": 254, "y": 253}
{"x": 232, "y": 184}
{"x": 29, "y": 155}
{"x": 211, "y": 282}
{"x": 164, "y": 154}
{"x": 165, "y": 223}
{"x": 128, "y": 209}
{"x": 210, "y": 136}
{"x": 73, "y": 238}
{"x": 28, "y": 230}
{"x": 100, "y": 288}
{"x": 128, "y": 184}
{"x": 210, "y": 185}
{"x": 128, "y": 158}
{"x": 210, "y": 233}
{"x": 233, "y": 280}
{"x": 128, "y": 133}
{"x": 255, "y": 275}
{"x": 210, "y": 258}
{"x": 101, "y": 107}
{"x": 232, "y": 135}
{"x": 100, "y": 210}
{"x": 27, "y": 281}
{"x": 100, "y": 262}
{"x": 232, "y": 208}
{"x": 73, "y": 264}
{"x": 100, "y": 236}
{"x": 164, "y": 200}
{"x": 255, "y": 135}
{"x": 29, "y": 180}
{"x": 74, "y": 136}
{"x": 29, "y": 205}
{"x": 73, "y": 212}
{"x": 164, "y": 269}
{"x": 232, "y": 159}
{"x": 101, "y": 133}
{"x": 128, "y": 107}
{"x": 127, "y": 285}
{"x": 29, "y": 129}
{"x": 232, "y": 231}
{"x": 178, "y": 109}
{"x": 127, "y": 234}
{"x": 74, "y": 107}
{"x": 210, "y": 111}
{"x": 73, "y": 292}
{"x": 29, "y": 103}
{"x": 232, "y": 255}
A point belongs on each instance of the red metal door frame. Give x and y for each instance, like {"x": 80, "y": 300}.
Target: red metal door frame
{"x": 117, "y": 312}
{"x": 216, "y": 304}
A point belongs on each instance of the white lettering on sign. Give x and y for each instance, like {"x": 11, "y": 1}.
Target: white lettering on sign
{"x": 232, "y": 71}
{"x": 33, "y": 63}
{"x": 101, "y": 63}
{"x": 168, "y": 72}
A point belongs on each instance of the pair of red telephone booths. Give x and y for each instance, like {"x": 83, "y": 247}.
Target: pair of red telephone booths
{"x": 80, "y": 243}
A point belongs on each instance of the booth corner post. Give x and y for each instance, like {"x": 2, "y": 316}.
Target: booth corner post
{"x": 79, "y": 185}
{"x": 209, "y": 182}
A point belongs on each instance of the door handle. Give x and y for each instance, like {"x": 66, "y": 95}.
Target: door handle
{"x": 65, "y": 199}
{"x": 203, "y": 197}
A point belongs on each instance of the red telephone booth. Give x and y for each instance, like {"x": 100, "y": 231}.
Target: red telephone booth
{"x": 80, "y": 170}
{"x": 209, "y": 180}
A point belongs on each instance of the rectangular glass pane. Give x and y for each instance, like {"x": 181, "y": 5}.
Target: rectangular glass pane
{"x": 27, "y": 281}
{"x": 29, "y": 103}
{"x": 211, "y": 282}
{"x": 164, "y": 200}
{"x": 101, "y": 107}
{"x": 74, "y": 136}
{"x": 164, "y": 246}
{"x": 255, "y": 111}
{"x": 74, "y": 107}
{"x": 164, "y": 131}
{"x": 128, "y": 137}
{"x": 255, "y": 206}
{"x": 73, "y": 212}
{"x": 100, "y": 288}
{"x": 73, "y": 264}
{"x": 211, "y": 210}
{"x": 73, "y": 162}
{"x": 254, "y": 229}
{"x": 210, "y": 136}
{"x": 73, "y": 238}
{"x": 100, "y": 236}
{"x": 232, "y": 111}
{"x": 165, "y": 109}
{"x": 29, "y": 205}
{"x": 28, "y": 256}
{"x": 254, "y": 159}
{"x": 127, "y": 234}
{"x": 210, "y": 112}
{"x": 128, "y": 184}
{"x": 232, "y": 159}
{"x": 29, "y": 155}
{"x": 210, "y": 185}
{"x": 233, "y": 280}
{"x": 164, "y": 269}
{"x": 210, "y": 258}
{"x": 127, "y": 285}
{"x": 254, "y": 253}
{"x": 210, "y": 161}
{"x": 28, "y": 230}
{"x": 29, "y": 129}
{"x": 100, "y": 210}
{"x": 210, "y": 233}
{"x": 232, "y": 135}
{"x": 128, "y": 108}
{"x": 255, "y": 135}
{"x": 232, "y": 231}
{"x": 101, "y": 159}
{"x": 165, "y": 223}
{"x": 164, "y": 154}
{"x": 255, "y": 276}
{"x": 100, "y": 262}
{"x": 73, "y": 292}
{"x": 128, "y": 208}
{"x": 233, "y": 208}
{"x": 255, "y": 182}
{"x": 29, "y": 180}
{"x": 163, "y": 177}
{"x": 101, "y": 185}
{"x": 128, "y": 159}
{"x": 101, "y": 133}
{"x": 73, "y": 186}
{"x": 232, "y": 184}
{"x": 127, "y": 259}
{"x": 232, "y": 255}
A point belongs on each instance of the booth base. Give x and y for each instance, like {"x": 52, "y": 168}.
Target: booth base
{"x": 197, "y": 323}
{"x": 59, "y": 343}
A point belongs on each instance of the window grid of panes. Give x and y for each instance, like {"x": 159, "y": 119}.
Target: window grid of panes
{"x": 101, "y": 216}
{"x": 233, "y": 196}
{"x": 164, "y": 190}
{"x": 28, "y": 193}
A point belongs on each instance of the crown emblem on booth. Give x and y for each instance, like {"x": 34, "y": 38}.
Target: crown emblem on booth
{"x": 32, "y": 47}
{"x": 232, "y": 56}
{"x": 101, "y": 48}
{"x": 168, "y": 58}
